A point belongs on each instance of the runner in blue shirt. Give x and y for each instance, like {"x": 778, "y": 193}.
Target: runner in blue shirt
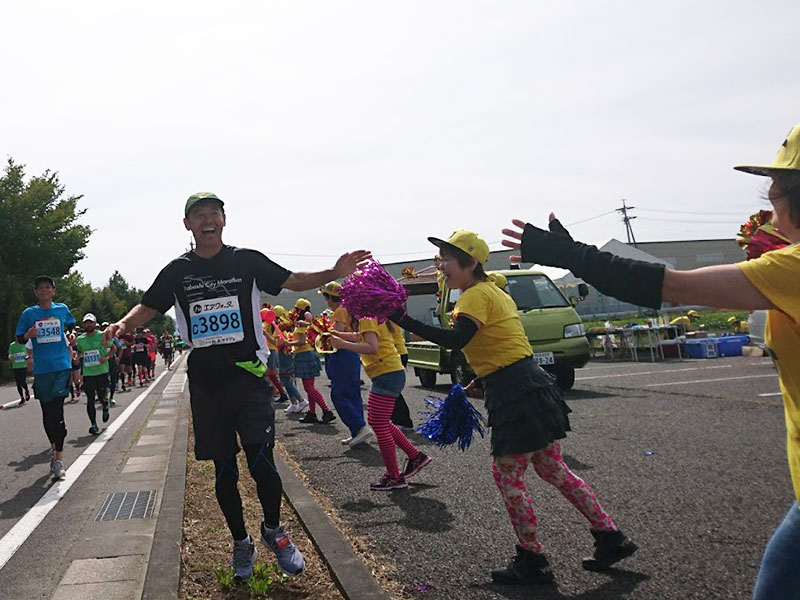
{"x": 44, "y": 324}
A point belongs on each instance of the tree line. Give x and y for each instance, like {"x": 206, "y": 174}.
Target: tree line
{"x": 40, "y": 235}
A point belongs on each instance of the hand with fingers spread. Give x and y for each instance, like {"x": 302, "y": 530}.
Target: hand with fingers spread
{"x": 632, "y": 281}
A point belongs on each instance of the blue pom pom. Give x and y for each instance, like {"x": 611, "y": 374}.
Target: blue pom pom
{"x": 452, "y": 420}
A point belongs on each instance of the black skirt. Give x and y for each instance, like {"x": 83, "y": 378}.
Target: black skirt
{"x": 526, "y": 408}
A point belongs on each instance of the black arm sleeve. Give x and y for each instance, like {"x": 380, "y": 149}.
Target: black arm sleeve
{"x": 456, "y": 338}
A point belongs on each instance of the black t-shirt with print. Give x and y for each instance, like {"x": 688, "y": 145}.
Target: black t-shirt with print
{"x": 217, "y": 304}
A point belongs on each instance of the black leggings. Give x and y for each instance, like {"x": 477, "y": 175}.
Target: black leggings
{"x": 268, "y": 485}
{"x": 53, "y": 420}
{"x": 22, "y": 385}
{"x": 113, "y": 374}
{"x": 95, "y": 385}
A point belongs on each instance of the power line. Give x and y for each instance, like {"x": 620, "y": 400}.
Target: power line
{"x": 689, "y": 212}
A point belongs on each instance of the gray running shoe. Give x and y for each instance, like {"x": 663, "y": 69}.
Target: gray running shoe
{"x": 244, "y": 557}
{"x": 290, "y": 561}
{"x": 57, "y": 469}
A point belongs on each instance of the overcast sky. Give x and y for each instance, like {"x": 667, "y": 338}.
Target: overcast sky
{"x": 329, "y": 126}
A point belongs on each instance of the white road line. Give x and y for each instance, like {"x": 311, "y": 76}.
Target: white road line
{"x": 771, "y": 394}
{"x": 23, "y": 528}
{"x": 10, "y": 404}
{"x": 774, "y": 375}
{"x": 653, "y": 372}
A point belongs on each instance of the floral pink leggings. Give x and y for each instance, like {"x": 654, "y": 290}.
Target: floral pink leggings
{"x": 509, "y": 472}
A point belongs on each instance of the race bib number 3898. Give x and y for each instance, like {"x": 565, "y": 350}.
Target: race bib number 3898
{"x": 216, "y": 321}
{"x": 48, "y": 330}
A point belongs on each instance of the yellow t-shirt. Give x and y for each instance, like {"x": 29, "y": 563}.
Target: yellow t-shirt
{"x": 296, "y": 334}
{"x": 399, "y": 340}
{"x": 387, "y": 360}
{"x": 501, "y": 339}
{"x": 776, "y": 274}
{"x": 270, "y": 329}
{"x": 684, "y": 320}
{"x": 340, "y": 315}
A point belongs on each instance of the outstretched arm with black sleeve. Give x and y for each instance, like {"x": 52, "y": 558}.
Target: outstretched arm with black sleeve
{"x": 456, "y": 338}
{"x": 634, "y": 281}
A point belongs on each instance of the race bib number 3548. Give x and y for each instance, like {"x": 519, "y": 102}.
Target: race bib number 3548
{"x": 216, "y": 321}
{"x": 48, "y": 330}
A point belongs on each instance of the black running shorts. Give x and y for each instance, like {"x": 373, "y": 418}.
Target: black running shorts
{"x": 141, "y": 358}
{"x": 238, "y": 403}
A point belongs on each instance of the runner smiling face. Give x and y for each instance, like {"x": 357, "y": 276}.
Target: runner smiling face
{"x": 206, "y": 221}
{"x": 44, "y": 293}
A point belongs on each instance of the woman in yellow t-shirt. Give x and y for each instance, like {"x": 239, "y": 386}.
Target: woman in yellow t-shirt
{"x": 771, "y": 282}
{"x": 382, "y": 364}
{"x": 272, "y": 360}
{"x": 307, "y": 366}
{"x": 526, "y": 409}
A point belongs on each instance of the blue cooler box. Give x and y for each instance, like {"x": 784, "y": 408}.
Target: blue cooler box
{"x": 702, "y": 348}
{"x": 731, "y": 345}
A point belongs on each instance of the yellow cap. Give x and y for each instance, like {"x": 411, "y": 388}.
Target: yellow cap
{"x": 498, "y": 279}
{"x": 466, "y": 241}
{"x": 691, "y": 313}
{"x": 786, "y": 161}
{"x": 302, "y": 304}
{"x": 279, "y": 311}
{"x": 332, "y": 288}
{"x": 732, "y": 320}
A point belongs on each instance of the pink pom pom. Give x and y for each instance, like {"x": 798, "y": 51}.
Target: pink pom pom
{"x": 371, "y": 293}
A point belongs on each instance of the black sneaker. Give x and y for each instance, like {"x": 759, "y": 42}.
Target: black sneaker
{"x": 609, "y": 548}
{"x": 526, "y": 568}
{"x": 387, "y": 483}
{"x": 309, "y": 417}
{"x": 328, "y": 416}
{"x": 415, "y": 466}
{"x": 94, "y": 430}
{"x": 282, "y": 399}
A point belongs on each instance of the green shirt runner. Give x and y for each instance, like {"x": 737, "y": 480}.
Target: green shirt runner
{"x": 19, "y": 354}
{"x": 93, "y": 349}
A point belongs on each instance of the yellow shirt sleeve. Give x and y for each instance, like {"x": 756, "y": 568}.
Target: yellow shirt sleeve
{"x": 341, "y": 315}
{"x": 776, "y": 274}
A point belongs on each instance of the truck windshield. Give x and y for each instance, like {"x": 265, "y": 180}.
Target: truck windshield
{"x": 534, "y": 291}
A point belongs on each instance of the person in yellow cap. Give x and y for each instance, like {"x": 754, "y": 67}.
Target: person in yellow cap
{"x": 343, "y": 368}
{"x": 286, "y": 361}
{"x": 307, "y": 365}
{"x": 738, "y": 326}
{"x": 771, "y": 282}
{"x": 526, "y": 408}
{"x": 499, "y": 280}
{"x": 685, "y": 321}
{"x": 214, "y": 289}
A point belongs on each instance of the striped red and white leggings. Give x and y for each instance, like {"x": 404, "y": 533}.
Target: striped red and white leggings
{"x": 509, "y": 472}
{"x": 379, "y": 413}
{"x": 314, "y": 397}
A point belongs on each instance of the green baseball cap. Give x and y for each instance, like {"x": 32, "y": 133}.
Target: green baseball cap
{"x": 200, "y": 197}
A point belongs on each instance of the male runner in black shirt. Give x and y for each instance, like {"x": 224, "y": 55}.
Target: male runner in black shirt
{"x": 215, "y": 291}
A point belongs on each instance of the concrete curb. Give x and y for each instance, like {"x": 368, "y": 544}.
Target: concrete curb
{"x": 354, "y": 578}
{"x": 162, "y": 580}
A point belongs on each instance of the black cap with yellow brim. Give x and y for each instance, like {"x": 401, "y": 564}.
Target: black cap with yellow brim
{"x": 787, "y": 160}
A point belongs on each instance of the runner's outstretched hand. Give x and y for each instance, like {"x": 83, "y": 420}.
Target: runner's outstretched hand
{"x": 350, "y": 261}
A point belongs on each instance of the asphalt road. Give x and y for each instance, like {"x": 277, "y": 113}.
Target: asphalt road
{"x": 688, "y": 458}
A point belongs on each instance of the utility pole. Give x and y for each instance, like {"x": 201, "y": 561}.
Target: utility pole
{"x": 627, "y": 220}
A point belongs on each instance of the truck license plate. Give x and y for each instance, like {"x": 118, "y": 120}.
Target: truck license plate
{"x": 544, "y": 358}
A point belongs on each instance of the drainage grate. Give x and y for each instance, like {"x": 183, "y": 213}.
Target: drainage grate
{"x": 168, "y": 402}
{"x": 121, "y": 506}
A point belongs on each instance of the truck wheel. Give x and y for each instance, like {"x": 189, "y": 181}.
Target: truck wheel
{"x": 460, "y": 373}
{"x": 427, "y": 378}
{"x": 565, "y": 377}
